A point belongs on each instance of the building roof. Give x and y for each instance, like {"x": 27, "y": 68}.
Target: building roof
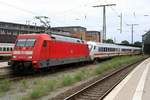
{"x": 70, "y": 27}
{"x": 92, "y": 32}
{"x": 17, "y": 24}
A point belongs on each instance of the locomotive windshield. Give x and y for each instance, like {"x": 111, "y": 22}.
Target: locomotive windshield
{"x": 25, "y": 42}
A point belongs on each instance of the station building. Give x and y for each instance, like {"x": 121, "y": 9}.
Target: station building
{"x": 93, "y": 36}
{"x": 75, "y": 31}
{"x": 9, "y": 31}
{"x": 146, "y": 42}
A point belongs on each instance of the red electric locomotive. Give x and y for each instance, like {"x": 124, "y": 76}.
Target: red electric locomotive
{"x": 44, "y": 50}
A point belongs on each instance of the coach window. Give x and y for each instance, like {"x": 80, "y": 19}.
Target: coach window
{"x": 94, "y": 47}
{"x": 44, "y": 43}
{"x": 99, "y": 49}
{"x": 7, "y": 49}
{"x": 4, "y": 49}
{"x": 0, "y": 49}
{"x": 111, "y": 49}
{"x": 107, "y": 49}
{"x": 104, "y": 49}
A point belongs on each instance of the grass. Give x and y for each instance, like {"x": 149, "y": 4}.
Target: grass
{"x": 79, "y": 75}
{"x": 43, "y": 87}
{"x": 4, "y": 86}
{"x": 67, "y": 80}
{"x": 116, "y": 62}
{"x": 24, "y": 85}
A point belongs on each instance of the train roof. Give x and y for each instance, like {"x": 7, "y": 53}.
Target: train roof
{"x": 111, "y": 45}
{"x": 7, "y": 45}
{"x": 53, "y": 36}
{"x": 69, "y": 39}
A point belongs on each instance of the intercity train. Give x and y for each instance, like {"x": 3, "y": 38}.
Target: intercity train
{"x": 37, "y": 51}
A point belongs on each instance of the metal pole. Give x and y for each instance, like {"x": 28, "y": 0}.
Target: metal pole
{"x": 104, "y": 23}
{"x": 132, "y": 34}
{"x": 121, "y": 23}
{"x": 104, "y": 19}
{"x": 132, "y": 31}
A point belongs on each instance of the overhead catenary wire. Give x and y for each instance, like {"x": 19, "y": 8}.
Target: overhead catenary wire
{"x": 59, "y": 13}
{"x": 34, "y": 13}
{"x": 18, "y": 8}
{"x": 118, "y": 15}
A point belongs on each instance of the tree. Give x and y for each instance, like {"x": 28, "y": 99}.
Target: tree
{"x": 125, "y": 42}
{"x": 138, "y": 44}
{"x": 109, "y": 41}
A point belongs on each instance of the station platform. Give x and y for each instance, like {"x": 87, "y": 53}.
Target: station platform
{"x": 4, "y": 64}
{"x": 136, "y": 86}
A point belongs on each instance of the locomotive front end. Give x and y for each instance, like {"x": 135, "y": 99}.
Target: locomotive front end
{"x": 22, "y": 54}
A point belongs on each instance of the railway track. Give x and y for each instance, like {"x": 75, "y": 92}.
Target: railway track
{"x": 100, "y": 88}
{"x": 7, "y": 73}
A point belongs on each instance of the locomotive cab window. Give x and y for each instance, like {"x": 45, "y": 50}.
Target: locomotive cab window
{"x": 25, "y": 42}
{"x": 30, "y": 42}
{"x": 21, "y": 42}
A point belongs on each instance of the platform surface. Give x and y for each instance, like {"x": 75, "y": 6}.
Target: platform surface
{"x": 136, "y": 86}
{"x": 4, "y": 64}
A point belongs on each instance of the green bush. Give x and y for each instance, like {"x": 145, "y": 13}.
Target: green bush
{"x": 67, "y": 80}
{"x": 78, "y": 76}
{"x": 42, "y": 87}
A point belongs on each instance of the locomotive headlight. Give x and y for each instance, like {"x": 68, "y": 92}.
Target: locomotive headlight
{"x": 30, "y": 57}
{"x": 14, "y": 56}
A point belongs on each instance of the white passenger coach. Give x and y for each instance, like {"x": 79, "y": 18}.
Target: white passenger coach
{"x": 6, "y": 49}
{"x": 101, "y": 50}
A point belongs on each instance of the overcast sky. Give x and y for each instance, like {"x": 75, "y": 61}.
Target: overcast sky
{"x": 81, "y": 13}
